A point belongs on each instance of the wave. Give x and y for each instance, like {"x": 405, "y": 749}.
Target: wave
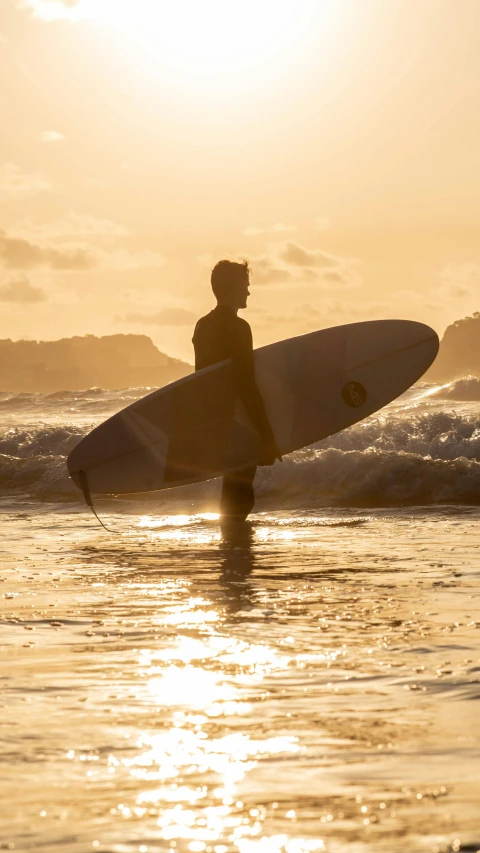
{"x": 330, "y": 477}
{"x": 463, "y": 390}
{"x": 391, "y": 459}
{"x": 369, "y": 478}
{"x": 440, "y": 435}
{"x": 37, "y": 478}
{"x": 44, "y": 441}
{"x": 91, "y": 399}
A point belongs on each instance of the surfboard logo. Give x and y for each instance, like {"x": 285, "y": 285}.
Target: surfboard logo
{"x": 354, "y": 394}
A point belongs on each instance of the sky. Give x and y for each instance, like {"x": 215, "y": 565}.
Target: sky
{"x": 334, "y": 144}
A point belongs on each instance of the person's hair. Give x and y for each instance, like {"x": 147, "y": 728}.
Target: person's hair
{"x": 225, "y": 275}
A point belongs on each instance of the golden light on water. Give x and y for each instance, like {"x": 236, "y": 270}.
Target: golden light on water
{"x": 183, "y": 616}
{"x": 179, "y": 520}
{"x": 221, "y": 762}
{"x": 275, "y": 714}
{"x": 190, "y": 686}
{"x": 208, "y": 768}
{"x": 189, "y": 529}
{"x": 259, "y": 658}
{"x": 190, "y": 771}
{"x": 196, "y": 529}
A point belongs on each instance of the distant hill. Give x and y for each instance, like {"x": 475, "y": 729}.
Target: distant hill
{"x": 129, "y": 361}
{"x": 113, "y": 361}
{"x": 459, "y": 353}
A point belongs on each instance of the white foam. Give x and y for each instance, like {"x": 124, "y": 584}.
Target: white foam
{"x": 408, "y": 453}
{"x": 466, "y": 388}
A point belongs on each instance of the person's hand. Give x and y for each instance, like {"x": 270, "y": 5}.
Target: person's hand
{"x": 269, "y": 451}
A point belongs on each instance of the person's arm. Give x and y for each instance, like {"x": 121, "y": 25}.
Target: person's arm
{"x": 244, "y": 372}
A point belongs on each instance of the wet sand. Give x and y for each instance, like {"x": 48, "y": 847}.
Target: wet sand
{"x": 307, "y": 684}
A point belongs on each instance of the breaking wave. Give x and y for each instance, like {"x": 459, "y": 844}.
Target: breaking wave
{"x": 369, "y": 478}
{"x": 440, "y": 435}
{"x": 388, "y": 460}
{"x": 92, "y": 400}
{"x": 467, "y": 388}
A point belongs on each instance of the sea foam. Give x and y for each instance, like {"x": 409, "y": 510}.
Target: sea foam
{"x": 411, "y": 453}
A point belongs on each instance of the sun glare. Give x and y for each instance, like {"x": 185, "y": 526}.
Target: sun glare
{"x": 205, "y": 37}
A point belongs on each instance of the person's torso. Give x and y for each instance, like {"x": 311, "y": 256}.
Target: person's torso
{"x": 218, "y": 336}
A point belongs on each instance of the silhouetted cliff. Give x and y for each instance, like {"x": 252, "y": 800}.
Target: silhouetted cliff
{"x": 114, "y": 361}
{"x": 459, "y": 353}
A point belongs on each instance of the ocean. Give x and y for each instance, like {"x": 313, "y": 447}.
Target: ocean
{"x": 306, "y": 684}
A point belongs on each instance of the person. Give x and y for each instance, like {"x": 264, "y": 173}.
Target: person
{"x": 220, "y": 335}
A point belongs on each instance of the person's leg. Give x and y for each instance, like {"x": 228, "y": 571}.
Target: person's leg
{"x": 237, "y": 498}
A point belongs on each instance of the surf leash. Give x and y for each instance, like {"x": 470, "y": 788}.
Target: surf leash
{"x": 88, "y": 500}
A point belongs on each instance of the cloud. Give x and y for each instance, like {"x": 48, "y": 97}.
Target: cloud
{"x": 18, "y": 253}
{"x": 266, "y": 270}
{"x": 460, "y": 281}
{"x": 293, "y": 264}
{"x": 339, "y": 277}
{"x": 297, "y": 255}
{"x": 124, "y": 259}
{"x": 320, "y": 267}
{"x": 272, "y": 229}
{"x": 457, "y": 290}
{"x": 327, "y": 311}
{"x": 52, "y": 136}
{"x": 73, "y": 226}
{"x": 14, "y": 182}
{"x": 165, "y": 317}
{"x": 290, "y": 264}
{"x": 21, "y": 290}
{"x": 72, "y": 243}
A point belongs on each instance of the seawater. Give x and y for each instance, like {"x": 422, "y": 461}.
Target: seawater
{"x": 308, "y": 683}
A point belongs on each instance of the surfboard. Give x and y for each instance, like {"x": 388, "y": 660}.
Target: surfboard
{"x": 196, "y": 428}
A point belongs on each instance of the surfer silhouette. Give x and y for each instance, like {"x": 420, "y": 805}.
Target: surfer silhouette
{"x": 220, "y": 335}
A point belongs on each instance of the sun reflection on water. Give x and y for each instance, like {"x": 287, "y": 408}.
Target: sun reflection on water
{"x": 191, "y": 769}
{"x": 195, "y": 529}
{"x": 179, "y": 520}
{"x": 259, "y": 658}
{"x": 276, "y": 843}
{"x": 183, "y": 616}
{"x": 216, "y": 766}
{"x": 268, "y": 534}
{"x": 190, "y": 686}
{"x": 202, "y": 691}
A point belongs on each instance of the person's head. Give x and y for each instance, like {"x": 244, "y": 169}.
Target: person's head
{"x": 230, "y": 281}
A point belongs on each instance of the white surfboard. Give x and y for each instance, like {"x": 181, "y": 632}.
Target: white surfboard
{"x": 196, "y": 428}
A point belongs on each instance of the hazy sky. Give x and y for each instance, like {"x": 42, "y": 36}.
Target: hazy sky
{"x": 333, "y": 143}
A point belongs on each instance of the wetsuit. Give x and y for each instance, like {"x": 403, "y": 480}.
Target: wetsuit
{"x": 219, "y": 335}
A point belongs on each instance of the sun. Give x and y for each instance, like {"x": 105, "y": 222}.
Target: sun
{"x": 205, "y": 37}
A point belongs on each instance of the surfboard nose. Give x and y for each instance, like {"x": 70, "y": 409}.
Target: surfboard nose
{"x": 423, "y": 331}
